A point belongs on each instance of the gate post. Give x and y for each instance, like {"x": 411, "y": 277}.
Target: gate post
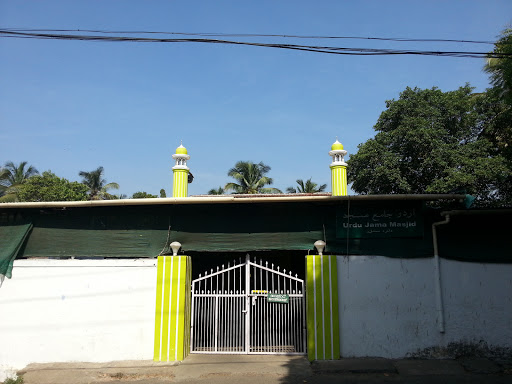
{"x": 172, "y": 316}
{"x": 322, "y": 307}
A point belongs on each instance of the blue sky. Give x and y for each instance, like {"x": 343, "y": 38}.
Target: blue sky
{"x": 72, "y": 106}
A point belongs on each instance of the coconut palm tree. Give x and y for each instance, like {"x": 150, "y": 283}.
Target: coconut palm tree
{"x": 306, "y": 187}
{"x": 250, "y": 178}
{"x": 97, "y": 184}
{"x": 500, "y": 69}
{"x": 218, "y": 191}
{"x": 12, "y": 176}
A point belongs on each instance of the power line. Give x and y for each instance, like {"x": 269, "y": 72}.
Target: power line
{"x": 215, "y": 34}
{"x": 308, "y": 48}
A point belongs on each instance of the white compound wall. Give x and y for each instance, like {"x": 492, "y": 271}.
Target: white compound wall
{"x": 103, "y": 310}
{"x": 77, "y": 310}
{"x": 388, "y": 307}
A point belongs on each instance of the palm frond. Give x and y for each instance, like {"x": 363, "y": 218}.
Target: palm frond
{"x": 218, "y": 191}
{"x": 233, "y": 187}
{"x": 308, "y": 186}
{"x": 270, "y": 190}
{"x": 111, "y": 186}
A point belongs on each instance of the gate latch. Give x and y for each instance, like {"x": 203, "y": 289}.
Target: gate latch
{"x": 254, "y": 300}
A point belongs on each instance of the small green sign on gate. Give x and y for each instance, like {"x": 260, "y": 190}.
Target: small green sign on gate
{"x": 278, "y": 298}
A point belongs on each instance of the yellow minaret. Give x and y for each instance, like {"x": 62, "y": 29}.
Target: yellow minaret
{"x": 338, "y": 169}
{"x": 180, "y": 172}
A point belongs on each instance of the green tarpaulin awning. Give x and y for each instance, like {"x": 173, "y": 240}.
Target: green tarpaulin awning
{"x": 12, "y": 238}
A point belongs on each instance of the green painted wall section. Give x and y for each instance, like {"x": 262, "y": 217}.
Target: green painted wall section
{"x": 322, "y": 307}
{"x": 172, "y": 317}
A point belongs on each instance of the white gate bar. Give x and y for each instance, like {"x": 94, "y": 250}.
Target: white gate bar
{"x": 233, "y": 315}
{"x": 219, "y": 272}
{"x": 247, "y": 303}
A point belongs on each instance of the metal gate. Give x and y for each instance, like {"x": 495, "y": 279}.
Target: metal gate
{"x": 248, "y": 308}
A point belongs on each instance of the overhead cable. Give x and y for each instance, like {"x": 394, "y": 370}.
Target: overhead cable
{"x": 216, "y": 34}
{"x": 308, "y": 48}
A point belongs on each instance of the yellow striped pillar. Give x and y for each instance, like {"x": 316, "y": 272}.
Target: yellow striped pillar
{"x": 322, "y": 307}
{"x": 173, "y": 300}
{"x": 180, "y": 172}
{"x": 180, "y": 183}
{"x": 339, "y": 180}
{"x": 338, "y": 170}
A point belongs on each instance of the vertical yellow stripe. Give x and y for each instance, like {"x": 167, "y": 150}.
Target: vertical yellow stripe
{"x": 182, "y": 330}
{"x": 179, "y": 301}
{"x": 318, "y": 310}
{"x": 339, "y": 186}
{"x": 158, "y": 308}
{"x": 344, "y": 181}
{"x": 340, "y": 181}
{"x": 172, "y": 316}
{"x": 165, "y": 311}
{"x": 335, "y": 308}
{"x": 175, "y": 184}
{"x": 188, "y": 309}
{"x": 311, "y": 326}
{"x": 322, "y": 297}
{"x": 333, "y": 184}
{"x": 327, "y": 308}
{"x": 180, "y": 337}
{"x": 185, "y": 328}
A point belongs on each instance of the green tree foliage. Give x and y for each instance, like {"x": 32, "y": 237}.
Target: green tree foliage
{"x": 218, "y": 191}
{"x": 49, "y": 187}
{"x": 97, "y": 185}
{"x": 12, "y": 176}
{"x": 162, "y": 193}
{"x": 500, "y": 69}
{"x": 306, "y": 187}
{"x": 250, "y": 178}
{"x": 143, "y": 195}
{"x": 429, "y": 141}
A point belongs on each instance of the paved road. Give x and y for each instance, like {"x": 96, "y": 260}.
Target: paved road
{"x": 266, "y": 369}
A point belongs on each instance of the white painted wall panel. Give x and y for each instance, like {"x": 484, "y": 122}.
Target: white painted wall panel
{"x": 77, "y": 310}
{"x": 388, "y": 309}
{"x": 478, "y": 301}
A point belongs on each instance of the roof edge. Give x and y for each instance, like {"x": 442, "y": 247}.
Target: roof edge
{"x": 227, "y": 199}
